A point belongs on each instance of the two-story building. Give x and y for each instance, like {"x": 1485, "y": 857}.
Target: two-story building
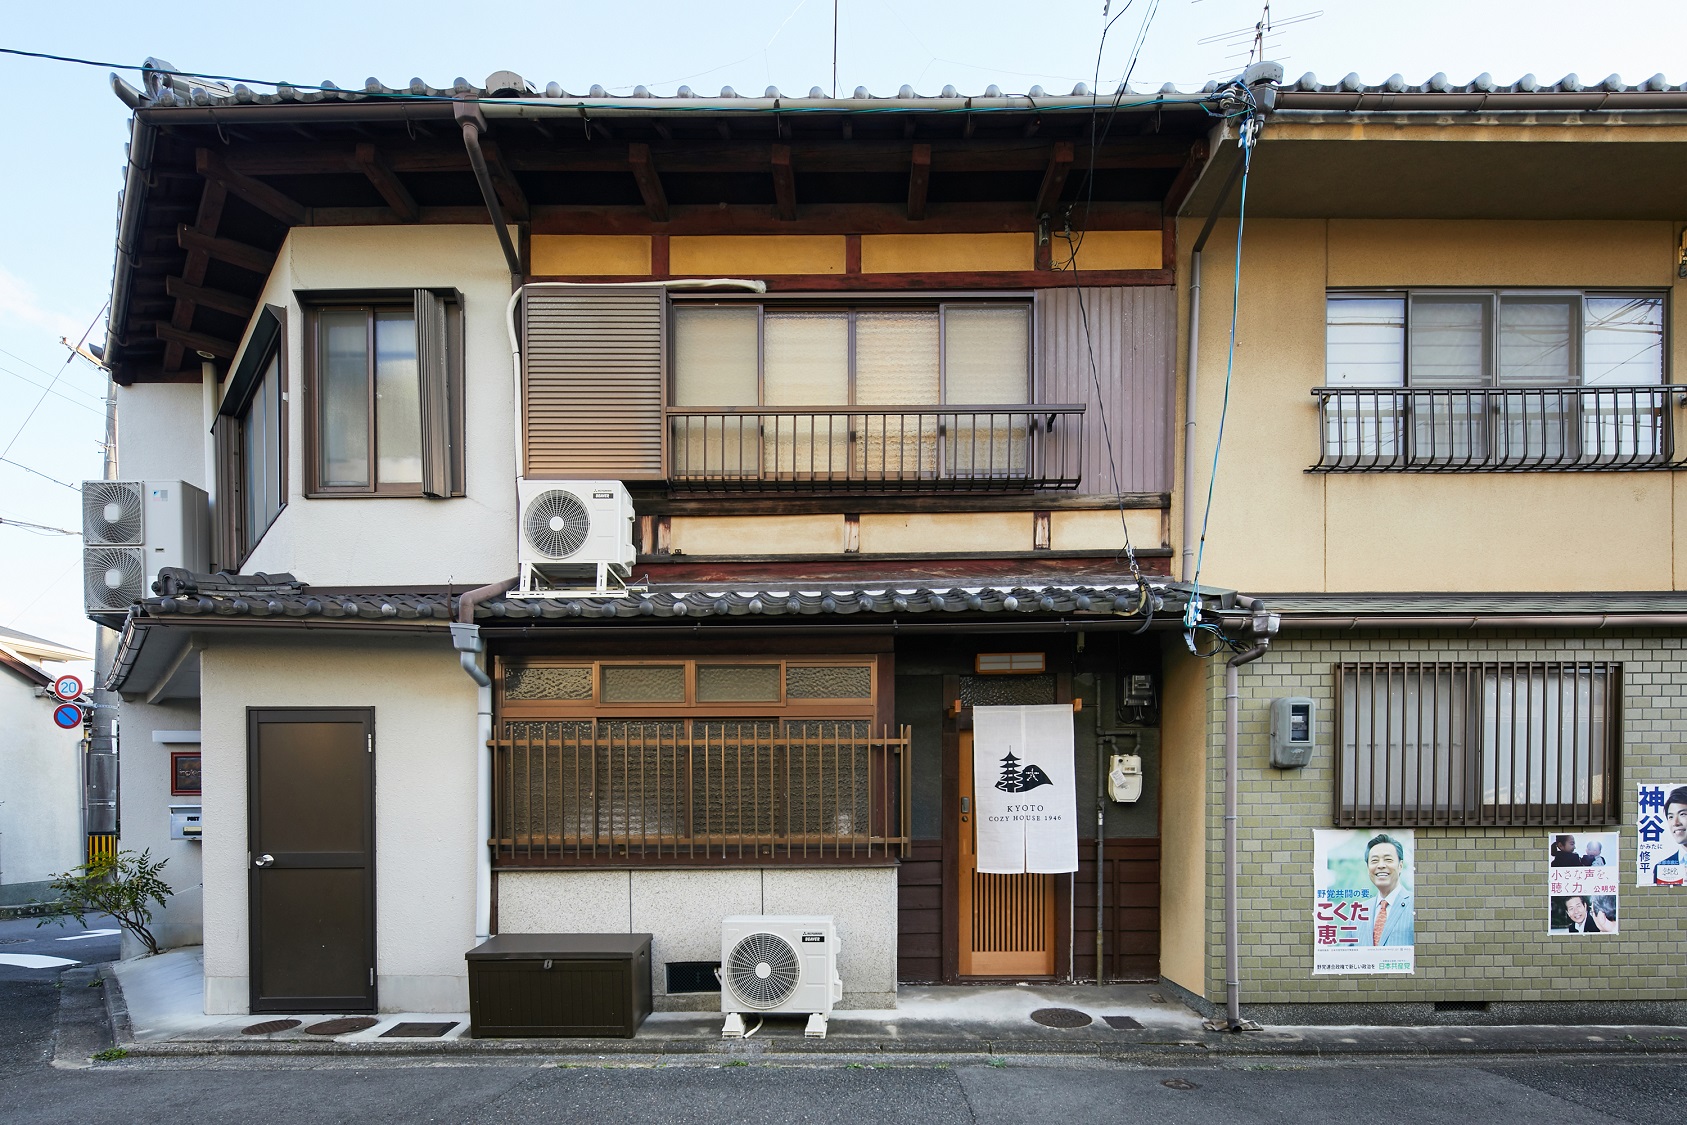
{"x": 882, "y": 406}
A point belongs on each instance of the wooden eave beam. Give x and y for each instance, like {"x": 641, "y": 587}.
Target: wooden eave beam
{"x": 1054, "y": 177}
{"x": 649, "y": 181}
{"x": 226, "y": 250}
{"x": 212, "y": 197}
{"x": 919, "y": 182}
{"x": 504, "y": 182}
{"x": 784, "y": 183}
{"x": 197, "y": 341}
{"x": 221, "y": 301}
{"x": 375, "y": 168}
{"x": 256, "y": 192}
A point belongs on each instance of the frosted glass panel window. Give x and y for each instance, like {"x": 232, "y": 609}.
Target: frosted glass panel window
{"x": 1623, "y": 344}
{"x": 987, "y": 354}
{"x": 573, "y": 681}
{"x": 828, "y": 681}
{"x": 897, "y": 364}
{"x": 1450, "y": 341}
{"x": 806, "y": 356}
{"x": 643, "y": 683}
{"x": 260, "y": 436}
{"x": 1538, "y": 341}
{"x": 738, "y": 683}
{"x": 398, "y": 400}
{"x": 343, "y": 398}
{"x": 715, "y": 356}
{"x": 1365, "y": 342}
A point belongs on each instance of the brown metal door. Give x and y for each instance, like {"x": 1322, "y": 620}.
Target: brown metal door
{"x": 311, "y": 834}
{"x": 1007, "y": 921}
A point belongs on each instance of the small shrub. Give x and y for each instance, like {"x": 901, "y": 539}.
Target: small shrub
{"x": 122, "y": 886}
{"x": 110, "y": 1054}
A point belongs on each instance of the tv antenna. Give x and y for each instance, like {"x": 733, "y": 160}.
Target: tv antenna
{"x": 1251, "y": 44}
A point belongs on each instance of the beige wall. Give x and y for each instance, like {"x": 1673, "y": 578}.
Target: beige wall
{"x": 1276, "y": 527}
{"x": 40, "y": 779}
{"x": 161, "y": 432}
{"x": 1183, "y": 826}
{"x": 424, "y": 803}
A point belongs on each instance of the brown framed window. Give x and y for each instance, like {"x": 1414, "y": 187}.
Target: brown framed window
{"x": 1504, "y": 742}
{"x": 384, "y": 413}
{"x": 753, "y": 759}
{"x": 251, "y": 439}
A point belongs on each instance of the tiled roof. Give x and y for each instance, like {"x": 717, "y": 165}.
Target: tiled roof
{"x": 1483, "y": 83}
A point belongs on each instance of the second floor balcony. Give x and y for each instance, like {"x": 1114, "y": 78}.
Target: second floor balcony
{"x": 1014, "y": 447}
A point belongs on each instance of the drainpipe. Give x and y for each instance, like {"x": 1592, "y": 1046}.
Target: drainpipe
{"x": 473, "y": 122}
{"x": 465, "y": 638}
{"x": 1265, "y": 625}
{"x": 209, "y": 404}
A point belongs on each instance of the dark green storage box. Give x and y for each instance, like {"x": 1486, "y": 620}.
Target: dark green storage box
{"x": 563, "y": 985}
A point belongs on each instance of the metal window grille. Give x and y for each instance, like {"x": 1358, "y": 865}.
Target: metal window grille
{"x": 595, "y": 791}
{"x": 1506, "y": 742}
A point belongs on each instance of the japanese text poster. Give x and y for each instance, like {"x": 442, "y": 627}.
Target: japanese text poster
{"x": 1660, "y": 860}
{"x": 1581, "y": 875}
{"x": 1362, "y": 910}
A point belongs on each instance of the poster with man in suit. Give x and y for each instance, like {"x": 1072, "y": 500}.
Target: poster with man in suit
{"x": 1363, "y": 913}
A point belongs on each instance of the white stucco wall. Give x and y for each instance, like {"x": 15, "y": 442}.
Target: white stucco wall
{"x": 425, "y": 842}
{"x": 373, "y": 542}
{"x": 161, "y": 432}
{"x": 144, "y": 815}
{"x": 40, "y": 805}
{"x": 682, "y": 910}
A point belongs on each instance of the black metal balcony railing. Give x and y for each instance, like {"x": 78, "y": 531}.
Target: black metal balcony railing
{"x": 964, "y": 448}
{"x": 1490, "y": 429}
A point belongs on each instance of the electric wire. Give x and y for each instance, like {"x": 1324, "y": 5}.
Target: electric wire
{"x": 37, "y": 528}
{"x": 39, "y": 473}
{"x": 56, "y": 376}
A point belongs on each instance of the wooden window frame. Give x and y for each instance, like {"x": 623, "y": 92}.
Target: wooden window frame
{"x": 372, "y": 301}
{"x": 690, "y": 708}
{"x": 234, "y": 541}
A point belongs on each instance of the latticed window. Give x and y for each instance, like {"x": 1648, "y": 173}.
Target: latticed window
{"x": 1477, "y": 743}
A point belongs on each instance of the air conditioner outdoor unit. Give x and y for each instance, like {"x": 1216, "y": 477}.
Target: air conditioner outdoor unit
{"x": 132, "y": 529}
{"x": 778, "y": 963}
{"x": 576, "y": 536}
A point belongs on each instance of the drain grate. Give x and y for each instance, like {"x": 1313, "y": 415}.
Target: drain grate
{"x": 269, "y": 1027}
{"x": 1122, "y": 1023}
{"x": 343, "y": 1026}
{"x": 418, "y": 1030}
{"x": 1061, "y": 1017}
{"x": 1180, "y": 1084}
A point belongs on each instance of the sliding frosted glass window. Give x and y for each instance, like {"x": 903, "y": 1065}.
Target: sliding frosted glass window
{"x": 1623, "y": 342}
{"x": 398, "y": 400}
{"x": 987, "y": 361}
{"x": 343, "y": 398}
{"x": 897, "y": 364}
{"x": 1451, "y": 341}
{"x": 806, "y": 364}
{"x": 261, "y": 436}
{"x": 716, "y": 363}
{"x": 1539, "y": 338}
{"x": 1365, "y": 342}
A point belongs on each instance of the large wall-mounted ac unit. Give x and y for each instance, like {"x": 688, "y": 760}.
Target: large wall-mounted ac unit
{"x": 778, "y": 963}
{"x": 132, "y": 529}
{"x": 575, "y": 536}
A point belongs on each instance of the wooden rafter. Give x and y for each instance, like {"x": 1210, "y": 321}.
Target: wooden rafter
{"x": 1054, "y": 177}
{"x": 504, "y": 183}
{"x": 919, "y": 181}
{"x": 197, "y": 341}
{"x": 256, "y": 192}
{"x": 369, "y": 160}
{"x": 784, "y": 183}
{"x": 209, "y": 215}
{"x": 649, "y": 182}
{"x": 240, "y": 254}
{"x": 231, "y": 303}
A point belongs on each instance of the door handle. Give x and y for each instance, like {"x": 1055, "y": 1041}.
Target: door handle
{"x": 263, "y": 861}
{"x": 966, "y": 804}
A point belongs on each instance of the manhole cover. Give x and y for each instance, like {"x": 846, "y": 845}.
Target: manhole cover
{"x": 14, "y": 941}
{"x": 417, "y": 1030}
{"x": 1179, "y": 1084}
{"x": 341, "y": 1026}
{"x": 269, "y": 1027}
{"x": 1122, "y": 1023}
{"x": 1061, "y": 1017}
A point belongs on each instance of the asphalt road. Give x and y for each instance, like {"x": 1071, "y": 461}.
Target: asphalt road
{"x": 1557, "y": 1090}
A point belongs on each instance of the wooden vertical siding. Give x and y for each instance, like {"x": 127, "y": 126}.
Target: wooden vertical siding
{"x": 919, "y": 913}
{"x": 1132, "y": 330}
{"x": 592, "y": 390}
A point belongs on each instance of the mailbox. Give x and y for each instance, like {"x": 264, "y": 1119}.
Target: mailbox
{"x": 185, "y": 823}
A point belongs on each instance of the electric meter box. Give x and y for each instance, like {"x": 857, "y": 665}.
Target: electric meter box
{"x": 1293, "y": 727}
{"x": 185, "y": 823}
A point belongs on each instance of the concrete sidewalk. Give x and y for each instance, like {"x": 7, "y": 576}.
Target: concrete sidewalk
{"x": 156, "y": 1004}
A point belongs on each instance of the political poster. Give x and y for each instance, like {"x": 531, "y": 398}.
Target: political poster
{"x": 1024, "y": 789}
{"x": 1363, "y": 920}
{"x": 1660, "y": 859}
{"x": 1581, "y": 879}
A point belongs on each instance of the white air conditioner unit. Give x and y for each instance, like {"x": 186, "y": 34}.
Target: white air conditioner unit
{"x": 575, "y": 536}
{"x": 778, "y": 963}
{"x": 131, "y": 530}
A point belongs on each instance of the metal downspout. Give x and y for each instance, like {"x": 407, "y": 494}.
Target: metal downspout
{"x": 465, "y": 638}
{"x": 473, "y": 122}
{"x": 1232, "y": 956}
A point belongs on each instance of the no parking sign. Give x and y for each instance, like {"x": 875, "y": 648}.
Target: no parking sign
{"x": 67, "y": 716}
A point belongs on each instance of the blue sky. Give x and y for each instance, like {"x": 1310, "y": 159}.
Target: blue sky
{"x": 65, "y": 129}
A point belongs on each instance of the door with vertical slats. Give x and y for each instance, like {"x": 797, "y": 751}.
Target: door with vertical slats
{"x": 1007, "y": 921}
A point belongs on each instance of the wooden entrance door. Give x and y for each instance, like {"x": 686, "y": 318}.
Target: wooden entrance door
{"x": 1006, "y": 921}
{"x": 311, "y": 834}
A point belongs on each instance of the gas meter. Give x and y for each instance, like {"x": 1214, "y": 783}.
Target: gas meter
{"x": 1124, "y": 778}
